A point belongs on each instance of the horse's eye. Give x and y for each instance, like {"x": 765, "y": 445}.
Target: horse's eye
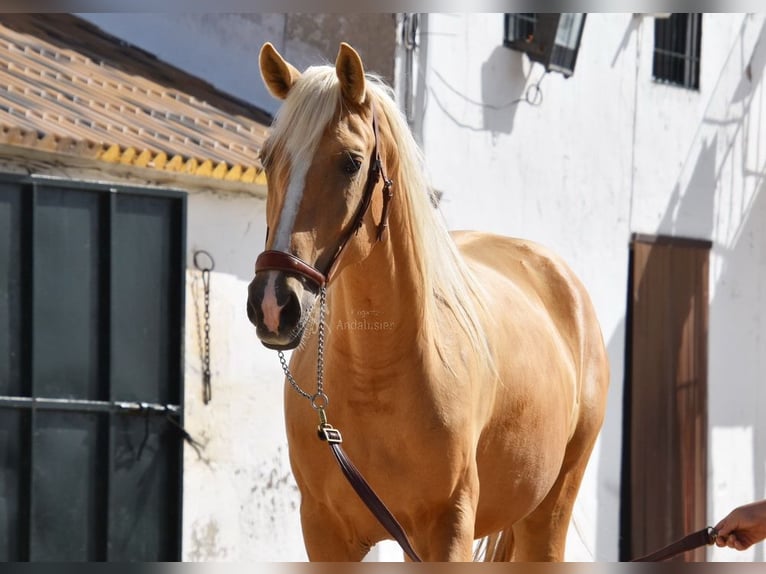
{"x": 351, "y": 164}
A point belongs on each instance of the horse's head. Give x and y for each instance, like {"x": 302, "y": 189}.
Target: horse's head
{"x": 322, "y": 166}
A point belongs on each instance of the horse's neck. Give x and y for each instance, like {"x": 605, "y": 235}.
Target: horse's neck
{"x": 377, "y": 304}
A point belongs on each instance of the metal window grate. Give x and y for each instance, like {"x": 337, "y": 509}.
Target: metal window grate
{"x": 519, "y": 27}
{"x": 91, "y": 377}
{"x": 677, "y": 42}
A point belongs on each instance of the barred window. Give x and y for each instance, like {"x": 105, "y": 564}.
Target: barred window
{"x": 677, "y": 42}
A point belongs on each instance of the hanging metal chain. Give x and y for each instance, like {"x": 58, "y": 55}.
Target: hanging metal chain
{"x": 319, "y": 400}
{"x": 207, "y": 391}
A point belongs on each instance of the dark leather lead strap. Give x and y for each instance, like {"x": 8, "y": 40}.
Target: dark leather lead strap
{"x": 365, "y": 491}
{"x": 703, "y": 537}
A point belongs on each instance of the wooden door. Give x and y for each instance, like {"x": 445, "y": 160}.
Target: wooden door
{"x": 665, "y": 408}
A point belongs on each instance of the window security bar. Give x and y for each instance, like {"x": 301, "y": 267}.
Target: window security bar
{"x": 88, "y": 405}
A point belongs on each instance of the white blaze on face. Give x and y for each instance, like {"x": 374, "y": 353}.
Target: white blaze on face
{"x": 271, "y": 309}
{"x": 293, "y": 199}
{"x": 269, "y": 305}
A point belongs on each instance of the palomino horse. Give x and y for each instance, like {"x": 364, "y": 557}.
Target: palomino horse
{"x": 467, "y": 372}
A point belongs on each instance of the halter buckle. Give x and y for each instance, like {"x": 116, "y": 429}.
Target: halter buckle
{"x": 330, "y": 434}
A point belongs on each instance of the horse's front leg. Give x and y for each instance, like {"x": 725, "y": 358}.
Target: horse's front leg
{"x": 325, "y": 537}
{"x": 448, "y": 534}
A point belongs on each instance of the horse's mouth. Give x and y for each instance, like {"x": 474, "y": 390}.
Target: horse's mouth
{"x": 290, "y": 345}
{"x": 294, "y": 336}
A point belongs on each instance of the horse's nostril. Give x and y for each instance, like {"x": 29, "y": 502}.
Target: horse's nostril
{"x": 251, "y": 312}
{"x": 291, "y": 312}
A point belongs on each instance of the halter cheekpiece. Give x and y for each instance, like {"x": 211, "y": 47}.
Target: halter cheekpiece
{"x": 273, "y": 260}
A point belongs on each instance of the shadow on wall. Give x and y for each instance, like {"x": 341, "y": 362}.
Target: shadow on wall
{"x": 737, "y": 399}
{"x": 633, "y": 26}
{"x": 737, "y": 312}
{"x": 722, "y": 199}
{"x": 502, "y": 87}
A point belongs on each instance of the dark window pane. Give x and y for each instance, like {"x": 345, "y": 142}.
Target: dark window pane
{"x": 12, "y": 499}
{"x": 10, "y": 290}
{"x": 68, "y": 477}
{"x": 144, "y": 292}
{"x": 524, "y": 28}
{"x": 143, "y": 503}
{"x": 520, "y": 26}
{"x": 66, "y": 289}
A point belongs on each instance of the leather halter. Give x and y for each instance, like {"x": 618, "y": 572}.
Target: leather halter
{"x": 290, "y": 263}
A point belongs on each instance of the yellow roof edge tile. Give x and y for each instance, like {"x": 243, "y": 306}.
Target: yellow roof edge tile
{"x": 111, "y": 154}
{"x": 128, "y": 155}
{"x": 176, "y": 163}
{"x": 191, "y": 165}
{"x": 18, "y": 136}
{"x": 205, "y": 169}
{"x": 249, "y": 175}
{"x": 260, "y": 177}
{"x": 143, "y": 158}
{"x": 220, "y": 170}
{"x": 234, "y": 174}
{"x": 159, "y": 160}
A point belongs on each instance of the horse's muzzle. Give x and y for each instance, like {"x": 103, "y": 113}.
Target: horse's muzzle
{"x": 276, "y": 305}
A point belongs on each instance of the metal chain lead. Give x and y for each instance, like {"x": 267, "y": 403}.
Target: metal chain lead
{"x": 320, "y": 349}
{"x": 289, "y": 376}
{"x": 207, "y": 387}
{"x": 319, "y": 400}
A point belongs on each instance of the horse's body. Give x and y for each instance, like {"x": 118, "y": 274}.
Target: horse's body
{"x": 468, "y": 374}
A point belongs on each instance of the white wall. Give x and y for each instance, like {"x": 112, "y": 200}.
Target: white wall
{"x": 240, "y": 499}
{"x": 609, "y": 152}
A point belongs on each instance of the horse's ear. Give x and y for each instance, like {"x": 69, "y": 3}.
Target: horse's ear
{"x": 278, "y": 75}
{"x": 350, "y": 72}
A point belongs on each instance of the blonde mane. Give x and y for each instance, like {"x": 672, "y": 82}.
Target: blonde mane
{"x": 444, "y": 271}
{"x": 311, "y": 105}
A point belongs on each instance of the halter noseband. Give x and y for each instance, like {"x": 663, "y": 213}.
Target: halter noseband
{"x": 283, "y": 261}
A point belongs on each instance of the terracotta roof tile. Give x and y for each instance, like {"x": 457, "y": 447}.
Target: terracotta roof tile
{"x": 69, "y": 88}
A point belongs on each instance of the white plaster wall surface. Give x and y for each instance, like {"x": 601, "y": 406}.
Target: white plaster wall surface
{"x": 607, "y": 153}
{"x": 240, "y": 499}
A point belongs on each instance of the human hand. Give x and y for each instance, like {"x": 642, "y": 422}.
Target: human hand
{"x": 743, "y": 526}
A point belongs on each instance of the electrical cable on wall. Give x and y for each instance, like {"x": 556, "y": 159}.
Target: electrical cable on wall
{"x": 533, "y": 95}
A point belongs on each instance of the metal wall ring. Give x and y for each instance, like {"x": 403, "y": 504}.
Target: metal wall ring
{"x": 203, "y": 254}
